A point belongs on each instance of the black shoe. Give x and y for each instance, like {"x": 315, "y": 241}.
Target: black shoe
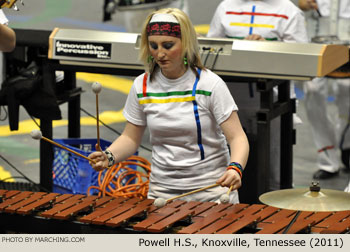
{"x": 321, "y": 174}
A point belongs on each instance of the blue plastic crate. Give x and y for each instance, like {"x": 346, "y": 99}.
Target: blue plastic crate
{"x": 71, "y": 173}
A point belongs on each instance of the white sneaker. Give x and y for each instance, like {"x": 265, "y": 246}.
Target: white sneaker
{"x": 347, "y": 189}
{"x": 59, "y": 76}
{"x": 296, "y": 120}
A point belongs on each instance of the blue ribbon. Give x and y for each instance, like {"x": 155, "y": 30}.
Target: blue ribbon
{"x": 252, "y": 21}
{"x": 196, "y": 115}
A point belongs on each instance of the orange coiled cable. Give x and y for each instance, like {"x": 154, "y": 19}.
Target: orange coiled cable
{"x": 123, "y": 181}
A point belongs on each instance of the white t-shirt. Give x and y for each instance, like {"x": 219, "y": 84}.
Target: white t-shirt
{"x": 168, "y": 111}
{"x": 272, "y": 19}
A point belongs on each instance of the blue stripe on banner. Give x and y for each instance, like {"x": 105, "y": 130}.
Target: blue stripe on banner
{"x": 252, "y": 21}
{"x": 196, "y": 115}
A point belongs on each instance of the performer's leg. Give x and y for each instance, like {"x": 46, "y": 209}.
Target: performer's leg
{"x": 342, "y": 92}
{"x": 316, "y": 92}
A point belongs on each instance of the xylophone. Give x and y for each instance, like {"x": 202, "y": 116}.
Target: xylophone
{"x": 63, "y": 213}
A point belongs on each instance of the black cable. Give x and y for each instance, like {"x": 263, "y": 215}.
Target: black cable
{"x": 34, "y": 121}
{"x": 204, "y": 48}
{"x": 24, "y": 176}
{"x": 205, "y": 61}
{"x": 216, "y": 57}
{"x": 108, "y": 127}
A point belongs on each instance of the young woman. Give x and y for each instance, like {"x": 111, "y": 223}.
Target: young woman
{"x": 191, "y": 116}
{"x": 331, "y": 133}
{"x": 267, "y": 20}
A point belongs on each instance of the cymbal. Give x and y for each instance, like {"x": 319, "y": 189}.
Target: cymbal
{"x": 305, "y": 199}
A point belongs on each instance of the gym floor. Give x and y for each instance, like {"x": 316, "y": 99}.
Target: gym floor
{"x": 22, "y": 152}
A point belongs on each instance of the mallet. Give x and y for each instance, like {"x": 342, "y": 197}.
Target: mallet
{"x": 96, "y": 88}
{"x": 225, "y": 198}
{"x": 36, "y": 134}
{"x": 160, "y": 202}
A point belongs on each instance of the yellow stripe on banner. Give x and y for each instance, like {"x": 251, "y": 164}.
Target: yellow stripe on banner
{"x": 122, "y": 85}
{"x": 253, "y": 25}
{"x": 5, "y": 174}
{"x": 169, "y": 100}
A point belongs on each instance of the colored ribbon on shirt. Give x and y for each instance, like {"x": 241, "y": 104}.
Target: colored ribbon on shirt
{"x": 252, "y": 21}
{"x": 192, "y": 98}
{"x": 196, "y": 115}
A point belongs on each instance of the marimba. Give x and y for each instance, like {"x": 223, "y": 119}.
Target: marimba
{"x": 133, "y": 215}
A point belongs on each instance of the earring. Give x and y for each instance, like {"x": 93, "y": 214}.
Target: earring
{"x": 150, "y": 58}
{"x": 185, "y": 61}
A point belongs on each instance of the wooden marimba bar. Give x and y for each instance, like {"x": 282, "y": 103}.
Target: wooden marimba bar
{"x": 181, "y": 217}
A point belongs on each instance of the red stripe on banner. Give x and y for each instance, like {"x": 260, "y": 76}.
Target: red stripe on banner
{"x": 256, "y": 14}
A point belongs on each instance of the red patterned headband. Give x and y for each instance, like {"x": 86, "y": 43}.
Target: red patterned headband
{"x": 164, "y": 24}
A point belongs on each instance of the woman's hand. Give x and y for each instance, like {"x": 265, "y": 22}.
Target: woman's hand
{"x": 254, "y": 37}
{"x": 101, "y": 160}
{"x": 230, "y": 178}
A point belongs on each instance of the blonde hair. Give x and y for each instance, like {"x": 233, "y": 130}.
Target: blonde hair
{"x": 189, "y": 42}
